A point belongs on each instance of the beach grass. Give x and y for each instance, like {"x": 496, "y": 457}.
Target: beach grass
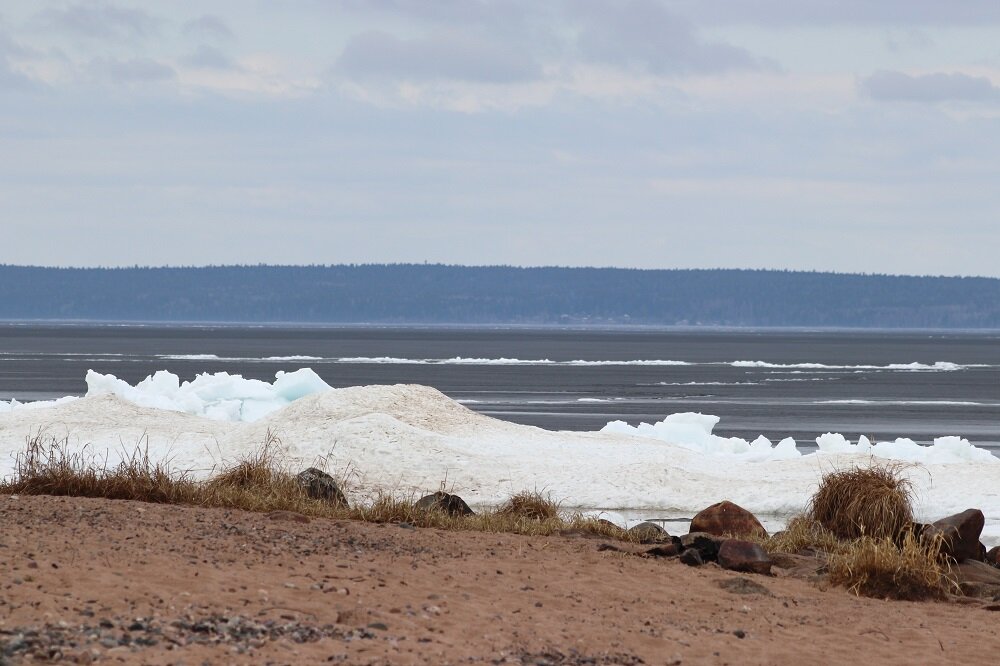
{"x": 864, "y": 501}
{"x": 882, "y": 568}
{"x": 260, "y": 482}
{"x": 803, "y": 533}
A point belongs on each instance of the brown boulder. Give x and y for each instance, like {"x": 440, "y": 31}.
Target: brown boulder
{"x": 745, "y": 556}
{"x": 993, "y": 556}
{"x": 728, "y": 519}
{"x": 959, "y": 534}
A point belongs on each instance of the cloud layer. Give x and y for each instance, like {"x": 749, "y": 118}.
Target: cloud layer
{"x": 841, "y": 136}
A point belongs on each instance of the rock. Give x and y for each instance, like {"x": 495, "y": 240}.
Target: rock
{"x": 793, "y": 565}
{"x": 692, "y": 558}
{"x": 292, "y": 516}
{"x": 320, "y": 485}
{"x": 980, "y": 590}
{"x": 741, "y": 585}
{"x": 993, "y": 556}
{"x": 665, "y": 550}
{"x": 648, "y": 532}
{"x": 453, "y": 505}
{"x": 973, "y": 571}
{"x": 745, "y": 556}
{"x": 728, "y": 519}
{"x": 960, "y": 534}
{"x": 707, "y": 545}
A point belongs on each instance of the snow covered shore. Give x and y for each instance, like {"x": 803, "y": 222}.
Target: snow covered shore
{"x": 412, "y": 438}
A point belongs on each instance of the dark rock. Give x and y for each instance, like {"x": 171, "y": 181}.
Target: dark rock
{"x": 745, "y": 556}
{"x": 291, "y": 516}
{"x": 959, "y": 534}
{"x": 993, "y": 556}
{"x": 692, "y": 558}
{"x": 666, "y": 550}
{"x": 320, "y": 485}
{"x": 739, "y": 633}
{"x": 973, "y": 571}
{"x": 980, "y": 590}
{"x": 728, "y": 519}
{"x": 707, "y": 545}
{"x": 453, "y": 505}
{"x": 648, "y": 532}
{"x": 743, "y": 585}
{"x": 793, "y": 565}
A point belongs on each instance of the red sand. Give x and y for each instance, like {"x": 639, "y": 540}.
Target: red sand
{"x": 395, "y": 595}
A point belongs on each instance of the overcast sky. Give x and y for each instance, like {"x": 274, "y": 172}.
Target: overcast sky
{"x": 849, "y": 136}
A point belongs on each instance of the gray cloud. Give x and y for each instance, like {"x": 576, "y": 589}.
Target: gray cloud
{"x": 10, "y": 78}
{"x": 887, "y": 85}
{"x": 826, "y": 12}
{"x": 208, "y": 26}
{"x": 133, "y": 70}
{"x": 209, "y": 57}
{"x": 100, "y": 21}
{"x": 643, "y": 33}
{"x": 377, "y": 54}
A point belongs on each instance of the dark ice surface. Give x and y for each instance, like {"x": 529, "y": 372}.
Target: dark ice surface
{"x": 46, "y": 361}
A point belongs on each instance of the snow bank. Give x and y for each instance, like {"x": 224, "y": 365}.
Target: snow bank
{"x": 412, "y": 438}
{"x": 694, "y": 433}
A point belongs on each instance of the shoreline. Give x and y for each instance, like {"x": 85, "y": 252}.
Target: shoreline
{"x": 227, "y": 585}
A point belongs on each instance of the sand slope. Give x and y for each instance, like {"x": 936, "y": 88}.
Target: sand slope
{"x": 384, "y": 594}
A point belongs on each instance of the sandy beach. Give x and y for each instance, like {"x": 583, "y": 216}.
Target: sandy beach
{"x": 121, "y": 582}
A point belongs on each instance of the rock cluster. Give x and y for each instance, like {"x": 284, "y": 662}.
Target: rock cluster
{"x": 714, "y": 537}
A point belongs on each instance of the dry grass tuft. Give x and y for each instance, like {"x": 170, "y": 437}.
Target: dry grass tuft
{"x": 802, "y": 533}
{"x": 880, "y": 568}
{"x": 872, "y": 501}
{"x": 530, "y": 505}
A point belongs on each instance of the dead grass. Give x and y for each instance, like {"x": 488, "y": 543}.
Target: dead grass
{"x": 872, "y": 501}
{"x": 259, "y": 482}
{"x": 878, "y": 567}
{"x": 46, "y": 467}
{"x": 803, "y": 533}
{"x": 530, "y": 505}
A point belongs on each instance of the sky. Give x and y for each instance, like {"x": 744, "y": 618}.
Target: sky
{"x": 851, "y": 136}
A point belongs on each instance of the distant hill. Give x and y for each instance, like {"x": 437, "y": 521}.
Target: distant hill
{"x": 412, "y": 293}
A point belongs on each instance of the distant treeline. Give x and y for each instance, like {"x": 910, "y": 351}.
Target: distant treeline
{"x": 414, "y": 293}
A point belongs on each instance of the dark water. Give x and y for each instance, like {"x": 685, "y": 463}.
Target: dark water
{"x": 49, "y": 361}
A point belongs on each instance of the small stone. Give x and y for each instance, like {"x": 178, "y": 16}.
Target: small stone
{"x": 379, "y": 626}
{"x": 739, "y": 633}
{"x": 666, "y": 550}
{"x": 290, "y": 516}
{"x": 743, "y": 585}
{"x": 691, "y": 557}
